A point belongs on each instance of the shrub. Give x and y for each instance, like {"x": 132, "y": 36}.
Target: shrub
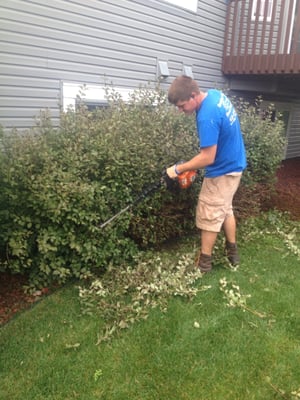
{"x": 265, "y": 143}
{"x": 59, "y": 184}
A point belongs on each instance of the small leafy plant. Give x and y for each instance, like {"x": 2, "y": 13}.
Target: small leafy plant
{"x": 274, "y": 223}
{"x": 98, "y": 374}
{"x": 235, "y": 298}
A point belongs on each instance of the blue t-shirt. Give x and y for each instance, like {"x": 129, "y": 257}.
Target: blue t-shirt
{"x": 218, "y": 124}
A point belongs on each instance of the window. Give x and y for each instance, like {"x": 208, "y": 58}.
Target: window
{"x": 261, "y": 13}
{"x": 191, "y": 5}
{"x": 94, "y": 95}
{"x": 92, "y": 105}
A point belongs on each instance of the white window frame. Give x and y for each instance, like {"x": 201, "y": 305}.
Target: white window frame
{"x": 262, "y": 16}
{"x": 92, "y": 94}
{"x": 191, "y": 5}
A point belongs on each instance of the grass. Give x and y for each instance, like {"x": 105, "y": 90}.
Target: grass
{"x": 199, "y": 349}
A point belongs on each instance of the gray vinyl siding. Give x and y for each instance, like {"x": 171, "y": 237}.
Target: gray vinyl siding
{"x": 293, "y": 146}
{"x": 43, "y": 44}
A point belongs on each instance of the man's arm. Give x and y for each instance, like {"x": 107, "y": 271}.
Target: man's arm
{"x": 205, "y": 157}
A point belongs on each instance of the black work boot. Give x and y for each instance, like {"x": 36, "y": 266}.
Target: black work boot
{"x": 232, "y": 254}
{"x": 204, "y": 263}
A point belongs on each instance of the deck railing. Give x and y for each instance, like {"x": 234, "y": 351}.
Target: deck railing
{"x": 262, "y": 37}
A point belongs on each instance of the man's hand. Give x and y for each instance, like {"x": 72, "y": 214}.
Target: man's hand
{"x": 171, "y": 172}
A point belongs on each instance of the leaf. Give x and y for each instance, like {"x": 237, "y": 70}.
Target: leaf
{"x": 72, "y": 346}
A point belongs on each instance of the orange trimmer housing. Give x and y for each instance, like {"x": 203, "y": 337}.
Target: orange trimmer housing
{"x": 186, "y": 179}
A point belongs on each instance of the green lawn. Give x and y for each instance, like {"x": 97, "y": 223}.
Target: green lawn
{"x": 197, "y": 350}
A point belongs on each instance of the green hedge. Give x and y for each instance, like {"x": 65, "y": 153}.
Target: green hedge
{"x": 58, "y": 185}
{"x": 264, "y": 140}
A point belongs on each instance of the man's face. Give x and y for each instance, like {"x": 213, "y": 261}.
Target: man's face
{"x": 187, "y": 106}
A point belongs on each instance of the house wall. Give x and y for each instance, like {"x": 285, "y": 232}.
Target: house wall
{"x": 97, "y": 42}
{"x": 45, "y": 47}
{"x": 293, "y": 146}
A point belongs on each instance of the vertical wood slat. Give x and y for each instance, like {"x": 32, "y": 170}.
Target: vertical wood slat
{"x": 255, "y": 35}
{"x": 277, "y": 60}
{"x": 296, "y": 35}
{"x": 287, "y": 60}
{"x": 246, "y": 57}
{"x": 268, "y": 59}
{"x": 263, "y": 37}
{"x": 241, "y": 35}
{"x": 295, "y": 58}
{"x": 226, "y": 34}
{"x": 289, "y": 23}
{"x": 235, "y": 23}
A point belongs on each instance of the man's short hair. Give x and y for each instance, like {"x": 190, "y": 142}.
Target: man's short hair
{"x": 182, "y": 88}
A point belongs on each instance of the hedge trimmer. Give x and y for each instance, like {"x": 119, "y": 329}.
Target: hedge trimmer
{"x": 183, "y": 181}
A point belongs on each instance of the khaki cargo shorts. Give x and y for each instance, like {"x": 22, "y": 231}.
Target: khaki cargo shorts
{"x": 215, "y": 201}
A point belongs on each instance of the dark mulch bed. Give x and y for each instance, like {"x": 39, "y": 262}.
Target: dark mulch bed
{"x": 287, "y": 198}
{"x": 13, "y": 299}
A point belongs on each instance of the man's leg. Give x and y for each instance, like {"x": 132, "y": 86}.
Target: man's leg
{"x": 229, "y": 224}
{"x": 231, "y": 250}
{"x": 229, "y": 227}
{"x": 215, "y": 204}
{"x": 206, "y": 221}
{"x": 208, "y": 240}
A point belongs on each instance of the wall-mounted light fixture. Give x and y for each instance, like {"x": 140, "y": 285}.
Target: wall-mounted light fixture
{"x": 162, "y": 69}
{"x": 188, "y": 71}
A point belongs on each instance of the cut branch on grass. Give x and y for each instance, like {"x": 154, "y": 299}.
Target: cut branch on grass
{"x": 234, "y": 297}
{"x": 126, "y": 295}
